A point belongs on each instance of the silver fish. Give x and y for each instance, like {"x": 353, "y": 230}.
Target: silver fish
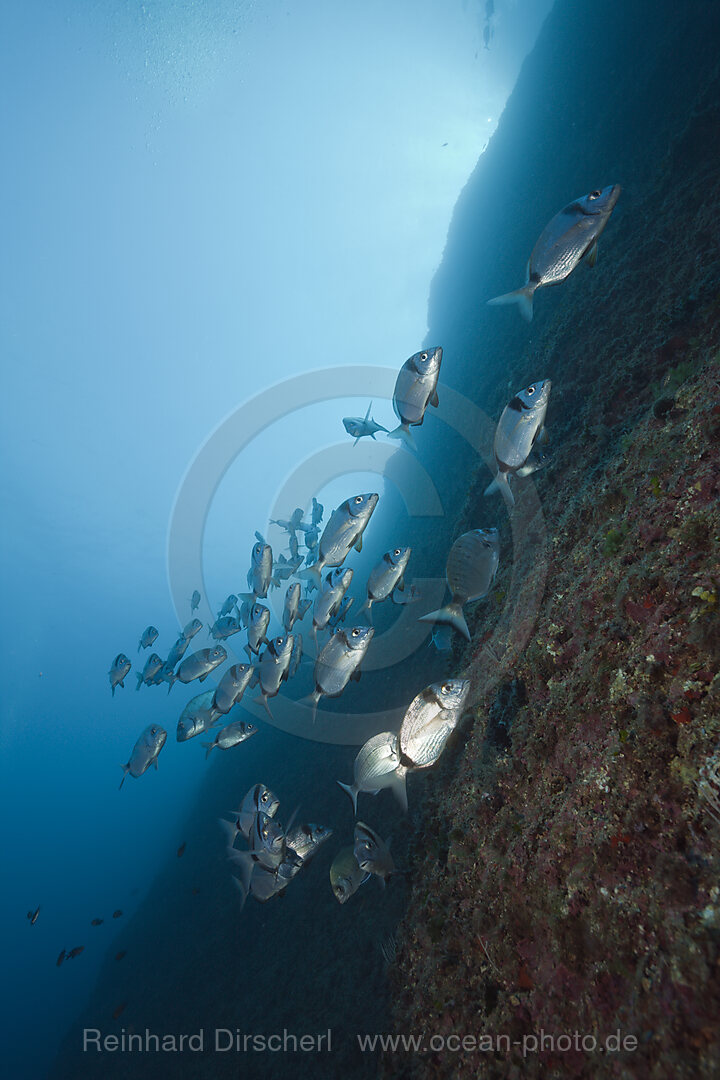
{"x": 329, "y": 599}
{"x": 296, "y": 656}
{"x": 198, "y": 715}
{"x": 372, "y": 853}
{"x": 429, "y": 721}
{"x": 415, "y": 389}
{"x": 305, "y": 840}
{"x": 228, "y": 605}
{"x": 118, "y": 670}
{"x": 346, "y": 877}
{"x": 257, "y": 628}
{"x": 359, "y": 426}
{"x": 377, "y": 765}
{"x": 145, "y": 752}
{"x": 261, "y": 569}
{"x": 199, "y": 665}
{"x": 520, "y": 427}
{"x": 191, "y": 629}
{"x": 341, "y": 613}
{"x": 471, "y": 568}
{"x": 258, "y": 799}
{"x": 386, "y": 576}
{"x": 273, "y": 667}
{"x": 571, "y": 236}
{"x": 229, "y": 736}
{"x": 148, "y": 638}
{"x": 290, "y": 611}
{"x": 153, "y": 665}
{"x": 225, "y": 627}
{"x": 291, "y": 525}
{"x": 266, "y": 883}
{"x": 339, "y": 661}
{"x": 231, "y": 687}
{"x": 194, "y": 601}
{"x": 177, "y": 652}
{"x": 343, "y": 532}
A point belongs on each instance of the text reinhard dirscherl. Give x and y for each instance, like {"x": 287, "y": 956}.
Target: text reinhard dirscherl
{"x": 222, "y": 1040}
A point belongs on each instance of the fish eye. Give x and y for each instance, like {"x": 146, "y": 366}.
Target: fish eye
{"x": 446, "y": 688}
{"x": 358, "y": 499}
{"x": 423, "y": 356}
{"x": 153, "y": 731}
{"x": 264, "y": 797}
{"x": 396, "y": 551}
{"x": 355, "y": 631}
{"x": 530, "y": 391}
{"x": 594, "y": 195}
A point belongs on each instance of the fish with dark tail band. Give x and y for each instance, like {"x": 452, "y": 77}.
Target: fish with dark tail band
{"x": 520, "y": 428}
{"x": 571, "y": 236}
{"x": 471, "y": 568}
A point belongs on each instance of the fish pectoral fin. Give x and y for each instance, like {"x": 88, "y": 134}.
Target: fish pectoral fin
{"x": 356, "y": 675}
{"x": 358, "y": 543}
{"x": 434, "y": 400}
{"x": 591, "y": 255}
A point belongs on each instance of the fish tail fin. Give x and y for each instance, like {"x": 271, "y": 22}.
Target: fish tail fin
{"x": 230, "y": 829}
{"x": 367, "y": 608}
{"x": 522, "y": 297}
{"x": 312, "y": 574}
{"x": 312, "y": 700}
{"x": 245, "y": 864}
{"x": 126, "y": 770}
{"x": 139, "y": 678}
{"x": 113, "y": 689}
{"x": 240, "y": 886}
{"x": 403, "y": 433}
{"x": 450, "y": 615}
{"x": 267, "y": 707}
{"x": 350, "y": 790}
{"x": 171, "y": 683}
{"x": 501, "y": 484}
{"x": 208, "y": 747}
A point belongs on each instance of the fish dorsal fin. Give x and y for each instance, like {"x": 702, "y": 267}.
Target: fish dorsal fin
{"x": 367, "y": 414}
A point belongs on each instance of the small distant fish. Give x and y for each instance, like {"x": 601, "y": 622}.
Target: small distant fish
{"x": 442, "y": 638}
{"x": 225, "y": 627}
{"x": 74, "y": 952}
{"x": 191, "y": 629}
{"x": 296, "y": 655}
{"x": 194, "y": 601}
{"x": 231, "y": 735}
{"x": 386, "y": 576}
{"x": 118, "y": 670}
{"x": 257, "y": 628}
{"x": 359, "y": 427}
{"x": 346, "y": 877}
{"x": 60, "y": 958}
{"x": 291, "y": 525}
{"x": 339, "y": 661}
{"x": 96, "y": 922}
{"x": 341, "y": 613}
{"x": 120, "y": 1010}
{"x": 199, "y": 665}
{"x": 520, "y": 427}
{"x": 198, "y": 715}
{"x": 571, "y": 236}
{"x": 317, "y": 512}
{"x": 343, "y": 532}
{"x": 153, "y": 666}
{"x": 117, "y": 914}
{"x": 181, "y": 849}
{"x": 148, "y": 638}
{"x": 372, "y": 853}
{"x": 489, "y": 8}
{"x": 176, "y": 653}
{"x": 429, "y": 721}
{"x": 487, "y": 34}
{"x": 377, "y": 765}
{"x": 261, "y": 570}
{"x": 33, "y": 916}
{"x": 145, "y": 752}
{"x": 471, "y": 568}
{"x": 231, "y": 687}
{"x": 273, "y": 667}
{"x": 228, "y": 604}
{"x": 290, "y": 610}
{"x": 415, "y": 389}
{"x": 119, "y": 955}
{"x": 330, "y": 597}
